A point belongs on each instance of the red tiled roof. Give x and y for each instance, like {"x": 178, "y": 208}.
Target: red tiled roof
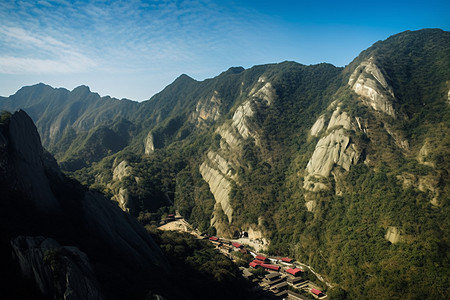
{"x": 286, "y": 259}
{"x": 294, "y": 271}
{"x": 316, "y": 292}
{"x": 214, "y": 238}
{"x": 253, "y": 264}
{"x": 271, "y": 267}
{"x": 260, "y": 257}
{"x": 237, "y": 245}
{"x": 258, "y": 262}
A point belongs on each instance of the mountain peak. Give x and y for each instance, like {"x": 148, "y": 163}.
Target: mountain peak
{"x": 184, "y": 77}
{"x": 82, "y": 88}
{"x": 234, "y": 70}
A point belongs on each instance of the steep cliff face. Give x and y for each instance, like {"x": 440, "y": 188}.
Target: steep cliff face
{"x": 149, "y": 145}
{"x": 37, "y": 200}
{"x": 369, "y": 82}
{"x": 220, "y": 167}
{"x": 30, "y": 161}
{"x": 59, "y": 272}
{"x": 334, "y": 149}
{"x": 207, "y": 110}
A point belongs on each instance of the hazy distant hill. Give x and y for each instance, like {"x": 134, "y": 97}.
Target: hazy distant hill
{"x": 343, "y": 168}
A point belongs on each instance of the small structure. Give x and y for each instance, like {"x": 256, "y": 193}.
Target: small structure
{"x": 295, "y": 296}
{"x": 271, "y": 267}
{"x": 169, "y": 218}
{"x": 286, "y": 259}
{"x": 272, "y": 276}
{"x": 237, "y": 245}
{"x": 296, "y": 281}
{"x": 214, "y": 238}
{"x": 282, "y": 294}
{"x": 294, "y": 272}
{"x": 254, "y": 264}
{"x": 261, "y": 258}
{"x": 316, "y": 292}
{"x": 279, "y": 287}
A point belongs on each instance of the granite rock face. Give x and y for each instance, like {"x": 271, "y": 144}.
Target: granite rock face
{"x": 29, "y": 161}
{"x": 369, "y": 82}
{"x": 37, "y": 198}
{"x": 149, "y": 146}
{"x": 334, "y": 149}
{"x": 219, "y": 169}
{"x": 59, "y": 272}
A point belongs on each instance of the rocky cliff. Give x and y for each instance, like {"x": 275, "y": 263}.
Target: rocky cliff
{"x": 90, "y": 235}
{"x": 369, "y": 82}
{"x": 59, "y": 272}
{"x": 220, "y": 167}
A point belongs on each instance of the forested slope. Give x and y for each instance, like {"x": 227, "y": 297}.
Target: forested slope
{"x": 343, "y": 168}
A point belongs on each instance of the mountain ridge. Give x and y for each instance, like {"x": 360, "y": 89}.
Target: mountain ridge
{"x": 348, "y": 162}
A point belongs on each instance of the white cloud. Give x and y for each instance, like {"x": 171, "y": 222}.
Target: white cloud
{"x": 40, "y": 54}
{"x": 19, "y": 65}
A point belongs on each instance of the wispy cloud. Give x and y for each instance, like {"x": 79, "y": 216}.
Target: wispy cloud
{"x": 120, "y": 34}
{"x": 127, "y": 38}
{"x": 39, "y": 54}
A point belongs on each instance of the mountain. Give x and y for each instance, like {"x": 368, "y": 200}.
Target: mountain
{"x": 345, "y": 169}
{"x": 68, "y": 241}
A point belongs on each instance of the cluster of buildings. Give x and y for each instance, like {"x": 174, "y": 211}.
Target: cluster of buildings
{"x": 282, "y": 273}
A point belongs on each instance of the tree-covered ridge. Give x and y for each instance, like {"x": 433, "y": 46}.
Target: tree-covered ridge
{"x": 376, "y": 225}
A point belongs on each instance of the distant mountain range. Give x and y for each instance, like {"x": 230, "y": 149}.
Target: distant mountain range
{"x": 344, "y": 168}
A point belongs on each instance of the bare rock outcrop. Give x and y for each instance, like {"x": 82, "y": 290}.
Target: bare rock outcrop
{"x": 207, "y": 110}
{"x": 121, "y": 195}
{"x": 149, "y": 146}
{"x": 59, "y": 272}
{"x": 219, "y": 167}
{"x": 426, "y": 183}
{"x": 335, "y": 148}
{"x": 122, "y": 170}
{"x": 220, "y": 187}
{"x": 393, "y": 234}
{"x": 423, "y": 156}
{"x": 318, "y": 126}
{"x": 369, "y": 82}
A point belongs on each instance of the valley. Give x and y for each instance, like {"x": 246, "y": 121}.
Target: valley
{"x": 345, "y": 169}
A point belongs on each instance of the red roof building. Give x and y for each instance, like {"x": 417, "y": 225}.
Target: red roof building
{"x": 214, "y": 239}
{"x": 286, "y": 259}
{"x": 316, "y": 292}
{"x": 237, "y": 245}
{"x": 258, "y": 262}
{"x": 253, "y": 264}
{"x": 294, "y": 272}
{"x": 261, "y": 258}
{"x": 271, "y": 267}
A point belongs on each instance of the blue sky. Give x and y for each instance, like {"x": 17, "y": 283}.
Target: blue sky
{"x": 134, "y": 48}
